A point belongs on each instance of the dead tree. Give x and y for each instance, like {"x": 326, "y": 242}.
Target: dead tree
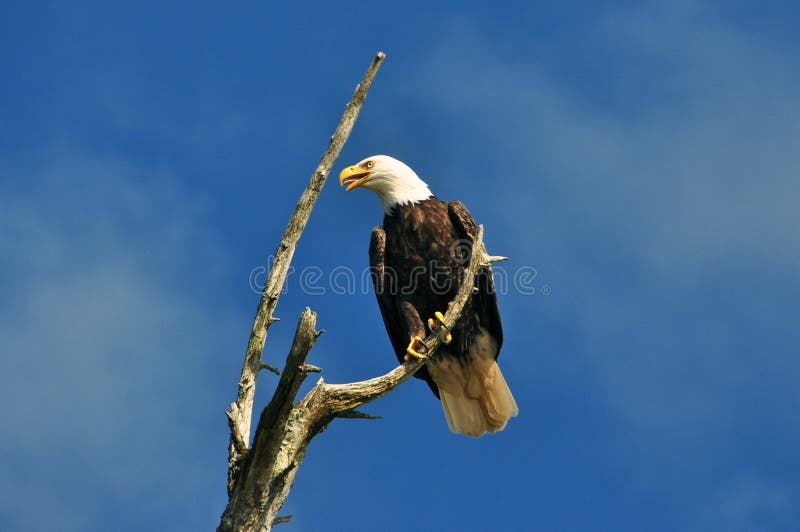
{"x": 260, "y": 476}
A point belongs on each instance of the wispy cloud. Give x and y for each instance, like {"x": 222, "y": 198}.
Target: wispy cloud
{"x": 749, "y": 505}
{"x": 697, "y": 190}
{"x": 663, "y": 219}
{"x": 107, "y": 336}
{"x": 693, "y": 167}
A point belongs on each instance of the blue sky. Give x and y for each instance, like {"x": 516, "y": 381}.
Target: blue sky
{"x": 642, "y": 157}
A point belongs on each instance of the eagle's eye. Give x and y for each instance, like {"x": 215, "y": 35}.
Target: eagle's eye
{"x": 369, "y": 164}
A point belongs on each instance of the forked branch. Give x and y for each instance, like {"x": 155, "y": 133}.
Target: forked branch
{"x": 241, "y": 411}
{"x": 286, "y": 429}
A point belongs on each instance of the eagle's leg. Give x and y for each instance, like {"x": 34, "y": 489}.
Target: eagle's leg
{"x": 436, "y": 325}
{"x": 416, "y": 346}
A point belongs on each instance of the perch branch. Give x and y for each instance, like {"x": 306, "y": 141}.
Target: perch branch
{"x": 337, "y": 399}
{"x": 241, "y": 411}
{"x": 356, "y": 414}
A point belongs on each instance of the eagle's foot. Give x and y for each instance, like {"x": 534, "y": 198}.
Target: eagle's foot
{"x": 416, "y": 345}
{"x": 436, "y": 325}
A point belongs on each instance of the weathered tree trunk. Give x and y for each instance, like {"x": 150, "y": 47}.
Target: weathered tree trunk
{"x": 260, "y": 477}
{"x": 241, "y": 412}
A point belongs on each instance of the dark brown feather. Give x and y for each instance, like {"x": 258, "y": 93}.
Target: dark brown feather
{"x": 417, "y": 262}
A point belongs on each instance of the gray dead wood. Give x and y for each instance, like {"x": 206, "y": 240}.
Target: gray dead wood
{"x": 241, "y": 411}
{"x": 260, "y": 477}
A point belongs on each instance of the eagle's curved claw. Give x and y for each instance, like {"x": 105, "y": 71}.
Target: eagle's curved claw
{"x": 414, "y": 346}
{"x": 436, "y": 325}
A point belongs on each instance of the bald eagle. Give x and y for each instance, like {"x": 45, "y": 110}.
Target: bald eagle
{"x": 417, "y": 261}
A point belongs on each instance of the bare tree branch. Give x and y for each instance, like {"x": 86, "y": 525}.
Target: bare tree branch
{"x": 241, "y": 411}
{"x": 268, "y": 472}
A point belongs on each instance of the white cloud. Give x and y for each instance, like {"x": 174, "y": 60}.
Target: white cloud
{"x": 695, "y": 168}
{"x": 749, "y": 505}
{"x": 644, "y": 214}
{"x": 107, "y": 336}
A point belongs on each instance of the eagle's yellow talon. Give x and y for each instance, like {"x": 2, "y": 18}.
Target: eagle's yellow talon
{"x": 411, "y": 351}
{"x": 448, "y": 338}
{"x": 434, "y": 324}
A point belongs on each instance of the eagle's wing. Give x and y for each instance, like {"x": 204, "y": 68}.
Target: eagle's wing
{"x": 485, "y": 300}
{"x": 386, "y": 288}
{"x": 385, "y": 284}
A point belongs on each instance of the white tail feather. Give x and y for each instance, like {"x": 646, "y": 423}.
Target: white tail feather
{"x": 475, "y": 396}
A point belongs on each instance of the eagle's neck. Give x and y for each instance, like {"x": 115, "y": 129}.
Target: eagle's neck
{"x": 408, "y": 193}
{"x": 413, "y": 216}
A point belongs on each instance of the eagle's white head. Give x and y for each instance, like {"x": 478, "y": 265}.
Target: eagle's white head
{"x": 392, "y": 180}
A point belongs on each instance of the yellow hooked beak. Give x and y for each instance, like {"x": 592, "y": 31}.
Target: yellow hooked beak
{"x": 353, "y": 176}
